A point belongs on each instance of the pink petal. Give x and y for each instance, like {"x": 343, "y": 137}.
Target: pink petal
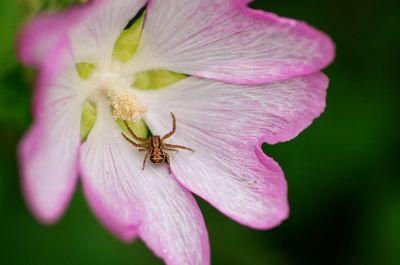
{"x": 98, "y": 33}
{"x": 224, "y": 123}
{"x": 93, "y": 28}
{"x": 130, "y": 201}
{"x": 40, "y": 35}
{"x": 227, "y": 41}
{"x": 48, "y": 153}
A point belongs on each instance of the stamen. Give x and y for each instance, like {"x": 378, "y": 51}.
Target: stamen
{"x": 120, "y": 96}
{"x": 125, "y": 105}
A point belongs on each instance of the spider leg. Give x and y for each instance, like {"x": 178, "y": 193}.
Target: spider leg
{"x": 145, "y": 159}
{"x": 170, "y": 149}
{"x": 173, "y": 128}
{"x": 142, "y": 149}
{"x": 137, "y": 138}
{"x": 168, "y": 162}
{"x": 178, "y": 147}
{"x": 132, "y": 142}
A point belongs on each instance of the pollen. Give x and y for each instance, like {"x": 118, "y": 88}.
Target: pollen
{"x": 120, "y": 97}
{"x": 125, "y": 105}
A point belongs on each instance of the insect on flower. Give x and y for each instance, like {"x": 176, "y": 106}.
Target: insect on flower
{"x": 211, "y": 63}
{"x": 155, "y": 146}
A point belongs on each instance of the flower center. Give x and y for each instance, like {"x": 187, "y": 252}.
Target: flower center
{"x": 120, "y": 96}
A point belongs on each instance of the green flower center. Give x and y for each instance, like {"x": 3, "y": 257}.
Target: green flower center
{"x": 123, "y": 102}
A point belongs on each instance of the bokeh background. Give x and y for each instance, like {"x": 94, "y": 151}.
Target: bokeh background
{"x": 342, "y": 171}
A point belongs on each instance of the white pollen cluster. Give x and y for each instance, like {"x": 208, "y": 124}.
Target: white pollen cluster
{"x": 125, "y": 106}
{"x": 120, "y": 96}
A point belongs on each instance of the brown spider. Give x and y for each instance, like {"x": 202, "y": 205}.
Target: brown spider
{"x": 154, "y": 146}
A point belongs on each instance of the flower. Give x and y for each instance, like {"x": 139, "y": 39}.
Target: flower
{"x": 253, "y": 78}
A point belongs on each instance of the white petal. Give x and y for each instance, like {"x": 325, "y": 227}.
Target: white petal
{"x": 94, "y": 39}
{"x": 223, "y": 123}
{"x": 224, "y": 40}
{"x": 150, "y": 202}
{"x": 49, "y": 152}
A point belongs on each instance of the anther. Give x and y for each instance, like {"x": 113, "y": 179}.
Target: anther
{"x": 125, "y": 105}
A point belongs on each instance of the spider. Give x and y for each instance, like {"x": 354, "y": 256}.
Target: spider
{"x": 154, "y": 146}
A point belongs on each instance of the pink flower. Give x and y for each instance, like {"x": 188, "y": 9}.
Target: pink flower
{"x": 254, "y": 78}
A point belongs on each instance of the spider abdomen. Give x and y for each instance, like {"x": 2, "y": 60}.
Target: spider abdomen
{"x": 157, "y": 156}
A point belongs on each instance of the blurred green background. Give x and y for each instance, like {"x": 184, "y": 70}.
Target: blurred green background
{"x": 342, "y": 171}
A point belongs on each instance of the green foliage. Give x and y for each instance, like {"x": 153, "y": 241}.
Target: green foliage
{"x": 34, "y": 6}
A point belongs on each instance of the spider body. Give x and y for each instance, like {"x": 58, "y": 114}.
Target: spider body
{"x": 157, "y": 155}
{"x": 154, "y": 146}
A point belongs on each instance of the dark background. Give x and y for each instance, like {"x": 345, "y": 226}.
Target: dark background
{"x": 344, "y": 185}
